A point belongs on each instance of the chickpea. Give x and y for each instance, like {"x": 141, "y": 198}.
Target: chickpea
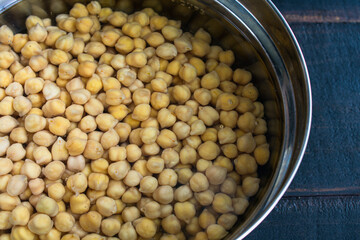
{"x": 110, "y": 226}
{"x": 222, "y": 203}
{"x": 163, "y": 194}
{"x": 6, "y": 165}
{"x": 166, "y": 51}
{"x": 145, "y": 227}
{"x": 127, "y": 232}
{"x": 118, "y": 170}
{"x": 40, "y": 224}
{"x": 90, "y": 221}
{"x": 171, "y": 224}
{"x": 181, "y": 93}
{"x": 16, "y": 185}
{"x": 159, "y": 100}
{"x": 15, "y": 152}
{"x": 184, "y": 211}
{"x": 215, "y": 231}
{"x": 208, "y": 115}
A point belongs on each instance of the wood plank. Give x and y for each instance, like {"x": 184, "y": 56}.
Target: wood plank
{"x": 320, "y": 11}
{"x": 312, "y": 218}
{"x": 331, "y": 162}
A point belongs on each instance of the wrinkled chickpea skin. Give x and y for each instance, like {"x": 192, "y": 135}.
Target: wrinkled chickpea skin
{"x": 122, "y": 125}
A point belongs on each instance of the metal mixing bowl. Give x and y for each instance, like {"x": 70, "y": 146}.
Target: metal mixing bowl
{"x": 264, "y": 44}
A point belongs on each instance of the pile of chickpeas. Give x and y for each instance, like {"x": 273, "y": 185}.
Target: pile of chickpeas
{"x": 117, "y": 126}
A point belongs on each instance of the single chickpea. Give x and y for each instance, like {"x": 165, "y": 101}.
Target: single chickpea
{"x": 183, "y": 112}
{"x": 183, "y": 193}
{"x": 30, "y": 169}
{"x": 145, "y": 227}
{"x": 183, "y": 44}
{"x": 184, "y": 175}
{"x": 110, "y": 226}
{"x": 164, "y": 194}
{"x": 129, "y": 214}
{"x": 171, "y": 224}
{"x": 209, "y": 150}
{"x": 262, "y": 154}
{"x": 184, "y": 211}
{"x": 216, "y": 231}
{"x": 227, "y": 101}
{"x": 36, "y": 186}
{"x": 188, "y": 72}
{"x": 124, "y": 45}
{"x": 199, "y": 182}
{"x": 90, "y": 221}
{"x": 181, "y": 93}
{"x": 181, "y": 129}
{"x": 20, "y": 215}
{"x": 159, "y": 100}
{"x": 173, "y": 67}
{"x": 79, "y": 204}
{"x": 166, "y": 51}
{"x": 15, "y": 152}
{"x": 118, "y": 170}
{"x": 246, "y": 143}
{"x": 208, "y": 115}
{"x": 148, "y": 184}
{"x": 166, "y": 118}
{"x": 16, "y": 185}
{"x": 127, "y": 231}
{"x": 64, "y": 222}
{"x": 132, "y": 195}
{"x": 222, "y": 203}
{"x": 115, "y": 189}
{"x": 188, "y": 155}
{"x": 106, "y": 206}
{"x": 40, "y": 224}
{"x": 7, "y": 124}
{"x": 197, "y": 128}
{"x": 54, "y": 170}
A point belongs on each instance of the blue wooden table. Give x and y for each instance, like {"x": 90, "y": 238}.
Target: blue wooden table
{"x": 323, "y": 201}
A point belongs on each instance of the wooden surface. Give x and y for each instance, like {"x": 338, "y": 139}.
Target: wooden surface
{"x": 323, "y": 201}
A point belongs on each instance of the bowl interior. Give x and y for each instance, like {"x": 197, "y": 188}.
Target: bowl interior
{"x": 262, "y": 44}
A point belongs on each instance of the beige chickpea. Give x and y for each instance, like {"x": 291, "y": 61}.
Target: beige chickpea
{"x": 132, "y": 178}
{"x": 166, "y": 51}
{"x": 106, "y": 206}
{"x": 30, "y": 169}
{"x": 34, "y": 123}
{"x": 149, "y": 135}
{"x": 54, "y": 170}
{"x": 115, "y": 189}
{"x": 5, "y": 143}
{"x": 208, "y": 115}
{"x": 262, "y": 154}
{"x": 148, "y": 184}
{"x": 184, "y": 211}
{"x": 166, "y": 118}
{"x": 15, "y": 152}
{"x": 216, "y": 174}
{"x": 250, "y": 186}
{"x": 110, "y": 226}
{"x": 227, "y": 101}
{"x": 181, "y": 129}
{"x": 171, "y": 224}
{"x": 98, "y": 181}
{"x": 14, "y": 89}
{"x": 127, "y": 231}
{"x": 38, "y": 63}
{"x": 240, "y": 205}
{"x": 222, "y": 203}
{"x": 183, "y": 193}
{"x": 245, "y": 164}
{"x": 246, "y": 143}
{"x": 164, "y": 194}
{"x": 145, "y": 227}
{"x": 40, "y": 224}
{"x": 129, "y": 214}
{"x": 181, "y": 93}
{"x": 216, "y": 231}
{"x": 8, "y": 202}
{"x": 90, "y": 221}
{"x": 118, "y": 170}
{"x": 79, "y": 204}
{"x": 183, "y": 112}
{"x": 16, "y": 185}
{"x": 197, "y": 128}
{"x": 23, "y": 74}
{"x": 199, "y": 182}
{"x": 208, "y": 150}
{"x": 133, "y": 152}
{"x": 6, "y": 78}
{"x": 132, "y": 195}
{"x": 124, "y": 45}
{"x": 159, "y": 100}
{"x": 167, "y": 139}
{"x": 188, "y": 155}
{"x": 20, "y": 215}
{"x": 7, "y": 124}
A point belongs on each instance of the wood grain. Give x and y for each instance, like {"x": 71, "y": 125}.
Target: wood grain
{"x": 320, "y": 11}
{"x": 312, "y": 218}
{"x": 331, "y": 162}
